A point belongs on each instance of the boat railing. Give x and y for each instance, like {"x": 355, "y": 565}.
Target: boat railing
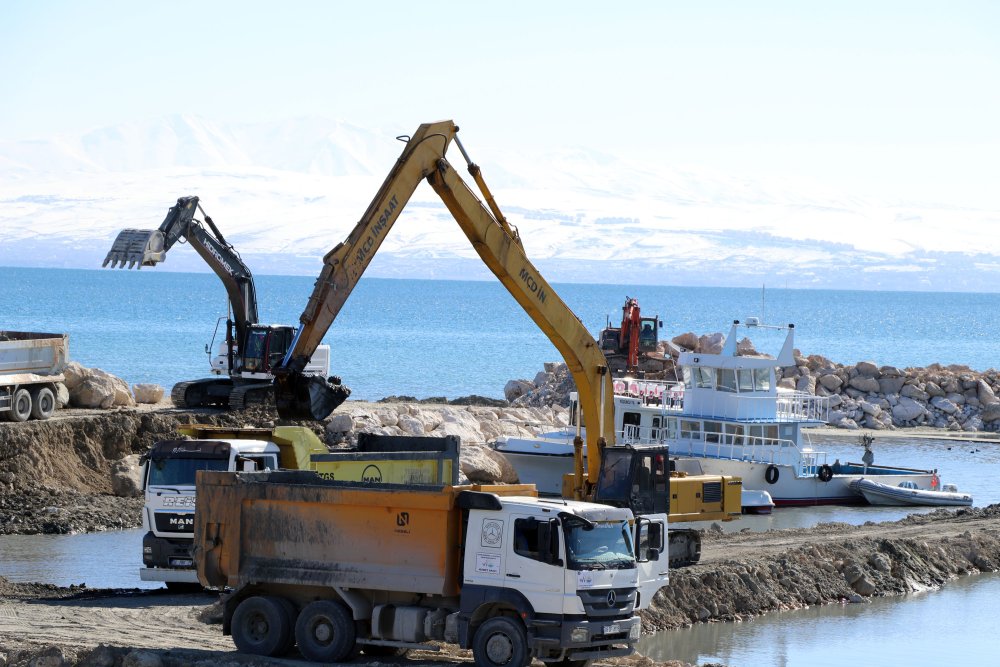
{"x": 753, "y": 449}
{"x": 786, "y": 406}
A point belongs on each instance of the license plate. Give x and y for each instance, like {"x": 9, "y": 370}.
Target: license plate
{"x": 181, "y": 562}
{"x": 612, "y": 629}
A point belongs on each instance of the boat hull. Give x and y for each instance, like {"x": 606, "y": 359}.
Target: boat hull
{"x": 883, "y": 494}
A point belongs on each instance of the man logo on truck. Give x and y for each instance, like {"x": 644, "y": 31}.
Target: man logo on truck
{"x": 371, "y": 475}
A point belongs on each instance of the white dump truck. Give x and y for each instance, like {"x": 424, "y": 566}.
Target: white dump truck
{"x": 331, "y": 565}
{"x": 30, "y": 366}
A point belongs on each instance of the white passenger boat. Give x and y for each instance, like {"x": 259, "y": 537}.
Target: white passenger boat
{"x": 906, "y": 493}
{"x": 731, "y": 418}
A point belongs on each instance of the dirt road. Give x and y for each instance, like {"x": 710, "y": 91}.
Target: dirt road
{"x": 741, "y": 575}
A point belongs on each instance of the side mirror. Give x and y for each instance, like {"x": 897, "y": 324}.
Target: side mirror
{"x": 548, "y": 542}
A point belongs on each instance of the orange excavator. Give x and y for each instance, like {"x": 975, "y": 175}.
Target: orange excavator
{"x": 637, "y": 335}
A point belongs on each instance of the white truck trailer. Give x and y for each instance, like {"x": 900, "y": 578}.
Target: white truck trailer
{"x": 30, "y": 366}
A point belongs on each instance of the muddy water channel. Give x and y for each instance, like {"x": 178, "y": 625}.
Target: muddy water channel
{"x": 951, "y": 626}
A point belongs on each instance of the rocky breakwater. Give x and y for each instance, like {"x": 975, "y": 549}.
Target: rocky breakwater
{"x": 864, "y": 395}
{"x": 875, "y": 397}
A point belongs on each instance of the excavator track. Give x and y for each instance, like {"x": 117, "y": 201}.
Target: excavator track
{"x": 249, "y": 395}
{"x": 206, "y": 393}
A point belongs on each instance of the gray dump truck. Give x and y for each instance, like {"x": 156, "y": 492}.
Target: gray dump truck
{"x": 31, "y": 365}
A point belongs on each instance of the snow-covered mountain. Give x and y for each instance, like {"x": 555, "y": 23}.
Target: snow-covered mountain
{"x": 284, "y": 193}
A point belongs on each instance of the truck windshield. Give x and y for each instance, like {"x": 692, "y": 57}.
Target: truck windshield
{"x": 180, "y": 471}
{"x": 606, "y": 545}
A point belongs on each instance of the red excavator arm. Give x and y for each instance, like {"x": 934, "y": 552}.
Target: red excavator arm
{"x": 628, "y": 340}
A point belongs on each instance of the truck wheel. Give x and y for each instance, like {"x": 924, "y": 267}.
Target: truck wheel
{"x": 43, "y": 403}
{"x": 325, "y": 631}
{"x": 292, "y": 614}
{"x": 261, "y": 626}
{"x": 20, "y": 406}
{"x": 500, "y": 642}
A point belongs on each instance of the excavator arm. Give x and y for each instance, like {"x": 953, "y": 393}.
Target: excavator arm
{"x": 499, "y": 246}
{"x": 148, "y": 247}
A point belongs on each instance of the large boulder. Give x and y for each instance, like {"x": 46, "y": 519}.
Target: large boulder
{"x": 867, "y": 369}
{"x": 831, "y": 382}
{"x": 147, "y": 393}
{"x": 516, "y": 388}
{"x": 688, "y": 341}
{"x": 482, "y": 465}
{"x": 865, "y": 383}
{"x": 93, "y": 392}
{"x": 907, "y": 409}
{"x": 126, "y": 477}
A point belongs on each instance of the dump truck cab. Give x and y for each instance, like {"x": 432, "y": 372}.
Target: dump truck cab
{"x": 567, "y": 568}
{"x": 169, "y": 488}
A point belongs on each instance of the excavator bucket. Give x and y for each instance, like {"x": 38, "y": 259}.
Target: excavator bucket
{"x": 299, "y": 396}
{"x": 142, "y": 247}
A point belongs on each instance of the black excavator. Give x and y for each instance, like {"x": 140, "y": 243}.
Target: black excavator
{"x": 252, "y": 349}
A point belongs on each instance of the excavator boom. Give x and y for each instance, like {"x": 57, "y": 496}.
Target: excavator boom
{"x": 499, "y": 246}
{"x": 136, "y": 248}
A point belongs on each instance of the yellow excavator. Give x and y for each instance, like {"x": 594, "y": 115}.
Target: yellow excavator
{"x": 638, "y": 478}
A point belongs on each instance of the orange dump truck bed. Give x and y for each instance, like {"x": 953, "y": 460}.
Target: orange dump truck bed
{"x": 296, "y": 528}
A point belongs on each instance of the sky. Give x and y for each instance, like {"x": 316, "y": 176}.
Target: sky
{"x": 884, "y": 99}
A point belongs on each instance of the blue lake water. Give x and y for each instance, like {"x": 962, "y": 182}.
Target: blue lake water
{"x": 452, "y": 338}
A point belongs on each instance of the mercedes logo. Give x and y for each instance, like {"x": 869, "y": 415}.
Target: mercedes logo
{"x": 611, "y": 598}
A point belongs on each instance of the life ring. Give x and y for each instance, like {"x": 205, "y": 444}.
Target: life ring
{"x": 825, "y": 473}
{"x": 771, "y": 474}
{"x": 935, "y": 482}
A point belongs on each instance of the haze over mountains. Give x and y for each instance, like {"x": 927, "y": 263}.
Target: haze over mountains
{"x": 285, "y": 193}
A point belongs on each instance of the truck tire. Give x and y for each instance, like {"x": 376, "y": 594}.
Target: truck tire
{"x": 43, "y": 403}
{"x": 261, "y": 626}
{"x": 292, "y": 613}
{"x": 325, "y": 631}
{"x": 500, "y": 642}
{"x": 20, "y": 406}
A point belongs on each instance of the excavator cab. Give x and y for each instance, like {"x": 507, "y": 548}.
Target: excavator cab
{"x": 265, "y": 347}
{"x": 648, "y": 333}
{"x": 636, "y": 478}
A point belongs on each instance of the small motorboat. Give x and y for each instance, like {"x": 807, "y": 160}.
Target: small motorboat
{"x": 757, "y": 502}
{"x": 907, "y": 493}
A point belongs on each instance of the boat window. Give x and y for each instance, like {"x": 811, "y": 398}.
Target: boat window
{"x": 787, "y": 432}
{"x": 705, "y": 377}
{"x": 655, "y": 433}
{"x": 734, "y": 434}
{"x": 745, "y": 377}
{"x": 712, "y": 431}
{"x": 726, "y": 378}
{"x": 690, "y": 429}
{"x": 671, "y": 430}
{"x": 762, "y": 379}
{"x": 688, "y": 376}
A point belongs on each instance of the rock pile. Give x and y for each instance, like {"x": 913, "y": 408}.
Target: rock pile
{"x": 869, "y": 396}
{"x": 94, "y": 388}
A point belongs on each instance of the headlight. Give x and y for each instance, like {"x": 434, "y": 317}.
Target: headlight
{"x": 147, "y": 550}
{"x": 635, "y": 631}
{"x": 579, "y": 635}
